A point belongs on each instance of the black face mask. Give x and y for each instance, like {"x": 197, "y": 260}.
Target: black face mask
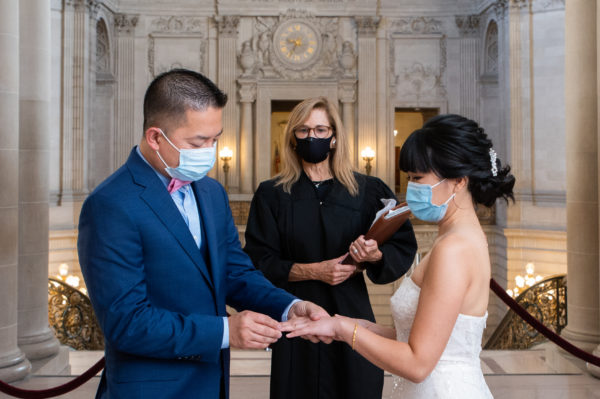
{"x": 312, "y": 149}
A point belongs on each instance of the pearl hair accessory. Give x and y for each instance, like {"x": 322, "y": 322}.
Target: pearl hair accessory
{"x": 493, "y": 158}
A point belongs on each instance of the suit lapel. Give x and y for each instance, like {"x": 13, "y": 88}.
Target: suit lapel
{"x": 204, "y": 200}
{"x": 158, "y": 199}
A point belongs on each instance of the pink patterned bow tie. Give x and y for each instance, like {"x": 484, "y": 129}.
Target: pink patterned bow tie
{"x": 176, "y": 184}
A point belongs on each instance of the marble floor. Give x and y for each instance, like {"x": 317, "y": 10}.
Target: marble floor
{"x": 540, "y": 373}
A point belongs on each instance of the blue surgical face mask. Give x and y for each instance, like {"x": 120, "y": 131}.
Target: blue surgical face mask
{"x": 194, "y": 164}
{"x": 419, "y": 197}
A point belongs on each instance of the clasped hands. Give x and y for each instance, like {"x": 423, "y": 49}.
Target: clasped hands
{"x": 251, "y": 330}
{"x": 334, "y": 272}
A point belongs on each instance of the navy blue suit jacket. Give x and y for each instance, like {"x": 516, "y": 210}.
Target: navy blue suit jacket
{"x": 160, "y": 305}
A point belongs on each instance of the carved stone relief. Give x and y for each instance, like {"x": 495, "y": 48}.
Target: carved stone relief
{"x": 176, "y": 42}
{"x": 125, "y": 24}
{"x": 491, "y": 50}
{"x": 263, "y": 55}
{"x": 347, "y": 91}
{"x": 519, "y": 4}
{"x": 178, "y": 25}
{"x": 227, "y": 25}
{"x": 367, "y": 26}
{"x": 418, "y": 81}
{"x": 79, "y": 4}
{"x": 247, "y": 91}
{"x": 247, "y": 59}
{"x": 500, "y": 7}
{"x": 416, "y": 26}
{"x": 468, "y": 25}
{"x": 420, "y": 76}
{"x": 102, "y": 49}
{"x": 348, "y": 59}
{"x": 548, "y": 5}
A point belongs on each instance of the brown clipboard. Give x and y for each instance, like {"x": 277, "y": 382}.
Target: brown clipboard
{"x": 383, "y": 228}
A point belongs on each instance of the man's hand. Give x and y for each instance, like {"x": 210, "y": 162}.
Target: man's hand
{"x": 303, "y": 312}
{"x": 307, "y": 309}
{"x": 333, "y": 272}
{"x": 250, "y": 330}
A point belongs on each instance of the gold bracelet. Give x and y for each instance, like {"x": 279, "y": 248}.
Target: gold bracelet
{"x": 354, "y": 335}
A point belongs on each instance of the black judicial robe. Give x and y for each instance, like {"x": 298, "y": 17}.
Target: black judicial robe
{"x": 301, "y": 227}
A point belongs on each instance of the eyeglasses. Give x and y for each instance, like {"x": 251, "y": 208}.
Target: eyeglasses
{"x": 320, "y": 131}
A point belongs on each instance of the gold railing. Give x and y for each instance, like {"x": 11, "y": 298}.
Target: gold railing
{"x": 547, "y": 302}
{"x": 72, "y": 317}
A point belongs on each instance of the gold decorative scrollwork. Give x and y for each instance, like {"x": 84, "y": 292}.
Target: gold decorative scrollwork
{"x": 72, "y": 317}
{"x": 547, "y": 302}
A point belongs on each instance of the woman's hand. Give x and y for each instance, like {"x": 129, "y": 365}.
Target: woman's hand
{"x": 327, "y": 329}
{"x": 363, "y": 250}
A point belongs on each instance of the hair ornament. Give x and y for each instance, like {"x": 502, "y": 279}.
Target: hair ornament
{"x": 493, "y": 158}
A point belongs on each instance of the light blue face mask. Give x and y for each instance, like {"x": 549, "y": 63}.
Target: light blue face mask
{"x": 194, "y": 164}
{"x": 418, "y": 198}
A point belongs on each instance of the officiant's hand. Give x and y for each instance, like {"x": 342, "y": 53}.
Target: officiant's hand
{"x": 363, "y": 250}
{"x": 333, "y": 272}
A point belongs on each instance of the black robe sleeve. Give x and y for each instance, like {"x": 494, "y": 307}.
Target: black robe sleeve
{"x": 262, "y": 237}
{"x": 399, "y": 251}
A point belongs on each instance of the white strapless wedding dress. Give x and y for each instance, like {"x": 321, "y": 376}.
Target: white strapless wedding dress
{"x": 458, "y": 373}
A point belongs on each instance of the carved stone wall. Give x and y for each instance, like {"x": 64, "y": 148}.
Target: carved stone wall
{"x": 418, "y": 60}
{"x": 125, "y": 136}
{"x": 472, "y": 57}
{"x": 176, "y": 42}
{"x": 332, "y": 56}
{"x": 102, "y": 127}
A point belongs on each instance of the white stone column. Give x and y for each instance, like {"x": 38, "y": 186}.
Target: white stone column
{"x": 247, "y": 97}
{"x": 367, "y": 88}
{"x": 503, "y": 145}
{"x": 125, "y": 135}
{"x": 75, "y": 100}
{"x": 520, "y": 103}
{"x": 227, "y": 72}
{"x": 594, "y": 369}
{"x": 581, "y": 103}
{"x": 13, "y": 364}
{"x": 347, "y": 95}
{"x": 385, "y": 138}
{"x": 468, "y": 27}
{"x": 35, "y": 337}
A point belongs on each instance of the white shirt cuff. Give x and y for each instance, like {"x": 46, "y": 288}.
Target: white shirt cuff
{"x": 284, "y": 317}
{"x": 225, "y": 342}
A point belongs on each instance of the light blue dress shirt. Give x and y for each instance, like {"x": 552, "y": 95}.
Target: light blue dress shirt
{"x": 185, "y": 201}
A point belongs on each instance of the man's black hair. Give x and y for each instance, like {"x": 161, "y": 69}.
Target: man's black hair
{"x": 172, "y": 93}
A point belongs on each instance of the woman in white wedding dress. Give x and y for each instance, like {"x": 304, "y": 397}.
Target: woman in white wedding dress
{"x": 440, "y": 310}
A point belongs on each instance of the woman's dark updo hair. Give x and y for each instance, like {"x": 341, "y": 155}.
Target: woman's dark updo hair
{"x": 452, "y": 146}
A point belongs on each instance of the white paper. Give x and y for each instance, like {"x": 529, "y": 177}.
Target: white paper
{"x": 396, "y": 212}
{"x": 388, "y": 203}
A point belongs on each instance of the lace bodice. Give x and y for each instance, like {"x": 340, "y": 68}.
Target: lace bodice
{"x": 458, "y": 373}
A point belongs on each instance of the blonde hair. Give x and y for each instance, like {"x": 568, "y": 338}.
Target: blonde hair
{"x": 339, "y": 158}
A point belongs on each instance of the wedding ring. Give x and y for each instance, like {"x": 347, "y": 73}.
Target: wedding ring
{"x": 355, "y": 250}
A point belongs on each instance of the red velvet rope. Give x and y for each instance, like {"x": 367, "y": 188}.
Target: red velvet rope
{"x": 498, "y": 290}
{"x": 59, "y": 390}
{"x": 532, "y": 321}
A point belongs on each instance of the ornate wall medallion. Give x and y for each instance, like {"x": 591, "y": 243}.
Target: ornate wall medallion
{"x": 297, "y": 43}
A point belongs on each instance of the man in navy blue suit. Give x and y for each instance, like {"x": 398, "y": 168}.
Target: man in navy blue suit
{"x": 161, "y": 257}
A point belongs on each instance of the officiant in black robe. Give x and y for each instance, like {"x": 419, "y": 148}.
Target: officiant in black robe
{"x": 301, "y": 224}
